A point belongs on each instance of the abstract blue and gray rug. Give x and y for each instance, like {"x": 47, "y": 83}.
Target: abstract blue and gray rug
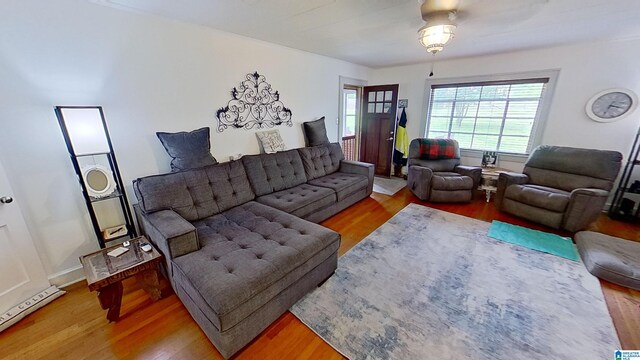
{"x": 431, "y": 285}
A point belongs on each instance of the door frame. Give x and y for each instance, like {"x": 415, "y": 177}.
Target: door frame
{"x": 343, "y": 80}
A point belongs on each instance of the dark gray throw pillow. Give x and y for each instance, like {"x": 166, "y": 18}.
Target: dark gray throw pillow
{"x": 188, "y": 150}
{"x": 315, "y": 132}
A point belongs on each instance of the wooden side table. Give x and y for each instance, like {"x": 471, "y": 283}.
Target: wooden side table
{"x": 105, "y": 273}
{"x": 489, "y": 180}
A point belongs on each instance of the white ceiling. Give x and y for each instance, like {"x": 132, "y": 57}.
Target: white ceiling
{"x": 381, "y": 33}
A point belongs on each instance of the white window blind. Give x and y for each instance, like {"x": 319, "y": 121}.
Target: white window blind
{"x": 492, "y": 115}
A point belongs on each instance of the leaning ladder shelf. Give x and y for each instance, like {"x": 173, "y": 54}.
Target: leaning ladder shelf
{"x": 119, "y": 189}
{"x": 626, "y": 201}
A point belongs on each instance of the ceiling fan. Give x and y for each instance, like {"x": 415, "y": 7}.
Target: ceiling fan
{"x": 443, "y": 16}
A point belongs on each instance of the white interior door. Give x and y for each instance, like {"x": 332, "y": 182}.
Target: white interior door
{"x": 21, "y": 272}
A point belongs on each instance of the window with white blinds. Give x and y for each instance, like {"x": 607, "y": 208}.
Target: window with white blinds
{"x": 491, "y": 115}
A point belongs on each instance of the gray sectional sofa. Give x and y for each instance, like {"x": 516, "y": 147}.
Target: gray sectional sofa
{"x": 239, "y": 238}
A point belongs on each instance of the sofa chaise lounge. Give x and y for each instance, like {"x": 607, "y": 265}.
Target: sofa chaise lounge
{"x": 240, "y": 240}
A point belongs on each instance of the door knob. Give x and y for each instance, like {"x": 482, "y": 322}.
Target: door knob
{"x": 6, "y": 199}
{"x": 390, "y": 139}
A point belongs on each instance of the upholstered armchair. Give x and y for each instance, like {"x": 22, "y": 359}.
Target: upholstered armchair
{"x": 560, "y": 187}
{"x": 435, "y": 173}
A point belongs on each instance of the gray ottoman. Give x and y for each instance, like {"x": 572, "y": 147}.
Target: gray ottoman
{"x": 610, "y": 258}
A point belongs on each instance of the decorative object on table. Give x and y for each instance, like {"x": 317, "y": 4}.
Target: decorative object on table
{"x": 560, "y": 187}
{"x": 610, "y": 258}
{"x": 534, "y": 239}
{"x": 489, "y": 180}
{"x": 622, "y": 206}
{"x": 254, "y": 104}
{"x": 105, "y": 273}
{"x": 271, "y": 141}
{"x": 188, "y": 149}
{"x": 611, "y": 105}
{"x": 435, "y": 173}
{"x": 489, "y": 159}
{"x": 401, "y": 148}
{"x": 462, "y": 295}
{"x": 99, "y": 180}
{"x": 86, "y": 135}
{"x": 315, "y": 132}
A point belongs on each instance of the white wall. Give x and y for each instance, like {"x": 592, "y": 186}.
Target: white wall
{"x": 585, "y": 69}
{"x": 150, "y": 75}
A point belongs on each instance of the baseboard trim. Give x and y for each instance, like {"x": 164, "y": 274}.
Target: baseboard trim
{"x": 67, "y": 277}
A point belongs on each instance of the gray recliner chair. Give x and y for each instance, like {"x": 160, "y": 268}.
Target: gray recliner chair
{"x": 439, "y": 177}
{"x": 560, "y": 187}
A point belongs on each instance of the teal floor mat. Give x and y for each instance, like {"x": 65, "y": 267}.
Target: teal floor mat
{"x": 533, "y": 239}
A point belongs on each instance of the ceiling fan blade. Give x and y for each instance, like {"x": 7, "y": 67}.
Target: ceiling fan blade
{"x": 434, "y": 6}
{"x": 498, "y": 11}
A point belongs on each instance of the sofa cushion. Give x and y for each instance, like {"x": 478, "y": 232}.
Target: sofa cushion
{"x": 188, "y": 150}
{"x": 249, "y": 255}
{"x": 269, "y": 173}
{"x": 539, "y": 196}
{"x": 321, "y": 160}
{"x": 343, "y": 184}
{"x": 610, "y": 258}
{"x": 195, "y": 194}
{"x": 315, "y": 132}
{"x": 301, "y": 200}
{"x": 450, "y": 181}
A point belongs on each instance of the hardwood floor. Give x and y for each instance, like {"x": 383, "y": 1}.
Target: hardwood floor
{"x": 74, "y": 326}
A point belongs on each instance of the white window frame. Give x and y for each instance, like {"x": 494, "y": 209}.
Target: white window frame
{"x": 538, "y": 124}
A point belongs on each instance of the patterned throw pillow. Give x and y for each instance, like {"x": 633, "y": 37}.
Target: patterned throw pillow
{"x": 438, "y": 149}
{"x": 188, "y": 150}
{"x": 271, "y": 141}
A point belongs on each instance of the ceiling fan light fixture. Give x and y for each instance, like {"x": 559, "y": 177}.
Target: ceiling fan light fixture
{"x": 435, "y": 37}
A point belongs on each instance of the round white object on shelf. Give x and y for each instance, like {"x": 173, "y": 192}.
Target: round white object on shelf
{"x": 99, "y": 180}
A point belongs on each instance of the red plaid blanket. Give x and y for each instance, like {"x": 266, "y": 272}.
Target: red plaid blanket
{"x": 436, "y": 149}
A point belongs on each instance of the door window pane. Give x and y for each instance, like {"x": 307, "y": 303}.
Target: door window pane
{"x": 372, "y": 96}
{"x": 388, "y": 95}
{"x": 371, "y": 107}
{"x": 378, "y": 107}
{"x": 380, "y": 96}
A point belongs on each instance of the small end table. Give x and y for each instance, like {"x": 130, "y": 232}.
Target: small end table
{"x": 105, "y": 273}
{"x": 489, "y": 180}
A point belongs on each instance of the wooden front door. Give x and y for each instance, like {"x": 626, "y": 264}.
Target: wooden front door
{"x": 379, "y": 104}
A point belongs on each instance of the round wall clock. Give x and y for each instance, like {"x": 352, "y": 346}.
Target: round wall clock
{"x": 611, "y": 105}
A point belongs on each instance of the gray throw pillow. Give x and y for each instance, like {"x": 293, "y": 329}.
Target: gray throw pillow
{"x": 188, "y": 150}
{"x": 315, "y": 132}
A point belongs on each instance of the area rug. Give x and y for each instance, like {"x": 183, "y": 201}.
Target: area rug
{"x": 534, "y": 239}
{"x": 432, "y": 285}
{"x": 388, "y": 186}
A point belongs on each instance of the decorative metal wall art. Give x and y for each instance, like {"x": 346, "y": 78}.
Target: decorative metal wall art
{"x": 254, "y": 104}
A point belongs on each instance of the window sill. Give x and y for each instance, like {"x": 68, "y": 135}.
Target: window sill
{"x": 518, "y": 158}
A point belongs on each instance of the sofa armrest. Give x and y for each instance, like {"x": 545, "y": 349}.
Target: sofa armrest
{"x": 171, "y": 233}
{"x": 419, "y": 181}
{"x": 360, "y": 168}
{"x": 474, "y": 172}
{"x": 585, "y": 204}
{"x": 505, "y": 180}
